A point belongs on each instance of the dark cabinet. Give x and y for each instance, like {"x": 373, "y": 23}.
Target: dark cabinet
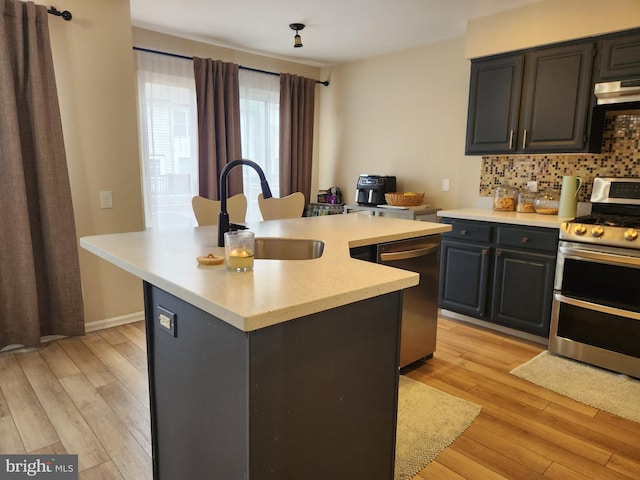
{"x": 619, "y": 57}
{"x": 555, "y": 100}
{"x": 528, "y": 102}
{"x": 494, "y": 104}
{"x": 464, "y": 269}
{"x": 522, "y": 289}
{"x": 504, "y": 275}
{"x": 464, "y": 286}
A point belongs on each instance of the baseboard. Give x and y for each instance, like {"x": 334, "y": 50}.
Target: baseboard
{"x": 88, "y": 327}
{"x": 114, "y": 321}
{"x": 492, "y": 326}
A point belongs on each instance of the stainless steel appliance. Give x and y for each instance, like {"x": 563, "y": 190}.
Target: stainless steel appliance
{"x": 370, "y": 189}
{"x": 420, "y": 303}
{"x": 613, "y": 98}
{"x": 596, "y": 308}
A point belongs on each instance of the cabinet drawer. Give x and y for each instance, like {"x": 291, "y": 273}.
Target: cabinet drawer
{"x": 468, "y": 230}
{"x": 528, "y": 238}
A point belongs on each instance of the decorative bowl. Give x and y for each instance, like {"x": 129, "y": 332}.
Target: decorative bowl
{"x": 398, "y": 199}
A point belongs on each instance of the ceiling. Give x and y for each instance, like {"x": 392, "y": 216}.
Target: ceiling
{"x": 337, "y": 31}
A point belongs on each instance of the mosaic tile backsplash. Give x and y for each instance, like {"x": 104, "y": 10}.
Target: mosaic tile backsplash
{"x": 620, "y": 157}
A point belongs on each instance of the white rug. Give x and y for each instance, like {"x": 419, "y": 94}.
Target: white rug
{"x": 428, "y": 422}
{"x": 611, "y": 392}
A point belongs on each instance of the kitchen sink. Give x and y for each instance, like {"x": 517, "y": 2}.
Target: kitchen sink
{"x": 287, "y": 248}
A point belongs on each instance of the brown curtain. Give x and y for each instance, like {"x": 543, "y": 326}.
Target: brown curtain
{"x": 40, "y": 290}
{"x": 218, "y": 102}
{"x": 297, "y": 95}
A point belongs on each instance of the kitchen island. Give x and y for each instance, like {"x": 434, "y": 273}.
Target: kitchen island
{"x": 289, "y": 371}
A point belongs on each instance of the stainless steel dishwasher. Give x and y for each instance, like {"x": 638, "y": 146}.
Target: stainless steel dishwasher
{"x": 420, "y": 303}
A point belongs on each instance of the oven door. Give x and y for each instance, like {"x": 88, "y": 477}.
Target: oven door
{"x": 596, "y": 308}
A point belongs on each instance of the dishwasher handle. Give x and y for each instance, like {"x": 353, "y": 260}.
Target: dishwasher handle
{"x": 423, "y": 251}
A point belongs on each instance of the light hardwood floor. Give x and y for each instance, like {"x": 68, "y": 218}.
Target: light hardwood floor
{"x": 89, "y": 396}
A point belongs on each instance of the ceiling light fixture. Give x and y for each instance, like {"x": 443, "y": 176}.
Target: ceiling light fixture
{"x": 297, "y": 40}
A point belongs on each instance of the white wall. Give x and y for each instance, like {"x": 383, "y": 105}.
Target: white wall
{"x": 404, "y": 113}
{"x": 549, "y": 21}
{"x": 94, "y": 70}
{"x": 401, "y": 114}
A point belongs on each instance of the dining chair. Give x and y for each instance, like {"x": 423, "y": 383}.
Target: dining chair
{"x": 207, "y": 210}
{"x": 291, "y": 206}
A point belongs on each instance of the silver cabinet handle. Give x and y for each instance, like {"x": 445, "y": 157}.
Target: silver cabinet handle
{"x": 485, "y": 251}
{"x": 594, "y": 306}
{"x": 405, "y": 254}
{"x": 524, "y": 139}
{"x": 511, "y": 140}
{"x": 524, "y": 240}
{"x": 463, "y": 232}
{"x": 600, "y": 257}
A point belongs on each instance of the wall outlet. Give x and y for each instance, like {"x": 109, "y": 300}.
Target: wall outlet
{"x": 445, "y": 184}
{"x": 106, "y": 199}
{"x": 532, "y": 186}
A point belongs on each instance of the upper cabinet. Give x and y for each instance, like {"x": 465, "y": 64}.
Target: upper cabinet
{"x": 494, "y": 104}
{"x": 556, "y": 98}
{"x": 531, "y": 102}
{"x": 619, "y": 57}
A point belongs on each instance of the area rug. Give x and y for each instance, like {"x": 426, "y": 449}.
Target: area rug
{"x": 611, "y": 392}
{"x": 428, "y": 422}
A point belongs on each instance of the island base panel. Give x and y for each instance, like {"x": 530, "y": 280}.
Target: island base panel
{"x": 312, "y": 398}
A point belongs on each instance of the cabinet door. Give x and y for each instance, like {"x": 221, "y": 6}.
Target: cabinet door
{"x": 620, "y": 57}
{"x": 555, "y": 105}
{"x": 494, "y": 102}
{"x": 464, "y": 278}
{"x": 522, "y": 290}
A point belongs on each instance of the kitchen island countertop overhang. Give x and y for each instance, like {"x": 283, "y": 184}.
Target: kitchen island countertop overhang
{"x": 276, "y": 290}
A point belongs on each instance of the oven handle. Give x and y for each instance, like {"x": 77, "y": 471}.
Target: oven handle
{"x": 609, "y": 258}
{"x": 598, "y": 308}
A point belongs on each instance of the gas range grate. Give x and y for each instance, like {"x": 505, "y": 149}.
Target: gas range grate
{"x": 609, "y": 220}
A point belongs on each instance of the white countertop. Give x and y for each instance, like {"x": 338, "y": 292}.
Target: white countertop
{"x": 489, "y": 215}
{"x": 276, "y": 290}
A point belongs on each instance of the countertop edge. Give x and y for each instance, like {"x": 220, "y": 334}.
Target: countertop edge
{"x": 115, "y": 249}
{"x": 514, "y": 218}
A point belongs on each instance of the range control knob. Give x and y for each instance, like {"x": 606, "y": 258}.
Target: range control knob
{"x": 580, "y": 229}
{"x": 597, "y": 231}
{"x": 630, "y": 234}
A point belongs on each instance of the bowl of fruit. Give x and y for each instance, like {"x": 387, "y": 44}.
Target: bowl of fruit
{"x": 406, "y": 199}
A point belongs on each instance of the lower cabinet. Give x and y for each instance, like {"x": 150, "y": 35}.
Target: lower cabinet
{"x": 499, "y": 273}
{"x": 464, "y": 284}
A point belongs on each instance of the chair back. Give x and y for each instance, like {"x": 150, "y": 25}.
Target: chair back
{"x": 291, "y": 206}
{"x": 207, "y": 210}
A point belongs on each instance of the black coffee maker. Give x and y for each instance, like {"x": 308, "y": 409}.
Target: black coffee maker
{"x": 370, "y": 189}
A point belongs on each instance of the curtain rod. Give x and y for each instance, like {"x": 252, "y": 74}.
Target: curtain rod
{"x": 175, "y": 55}
{"x": 66, "y": 14}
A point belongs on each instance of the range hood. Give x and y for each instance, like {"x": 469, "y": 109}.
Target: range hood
{"x": 620, "y": 97}
{"x": 623, "y": 91}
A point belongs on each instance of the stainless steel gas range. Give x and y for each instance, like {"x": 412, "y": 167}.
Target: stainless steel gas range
{"x": 596, "y": 308}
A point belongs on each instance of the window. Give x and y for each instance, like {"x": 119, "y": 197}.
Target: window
{"x": 168, "y": 130}
{"x": 260, "y": 134}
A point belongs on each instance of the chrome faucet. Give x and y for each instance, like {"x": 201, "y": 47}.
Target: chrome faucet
{"x": 223, "y": 216}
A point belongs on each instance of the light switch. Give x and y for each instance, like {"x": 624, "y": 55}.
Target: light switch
{"x": 106, "y": 199}
{"x": 445, "y": 184}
